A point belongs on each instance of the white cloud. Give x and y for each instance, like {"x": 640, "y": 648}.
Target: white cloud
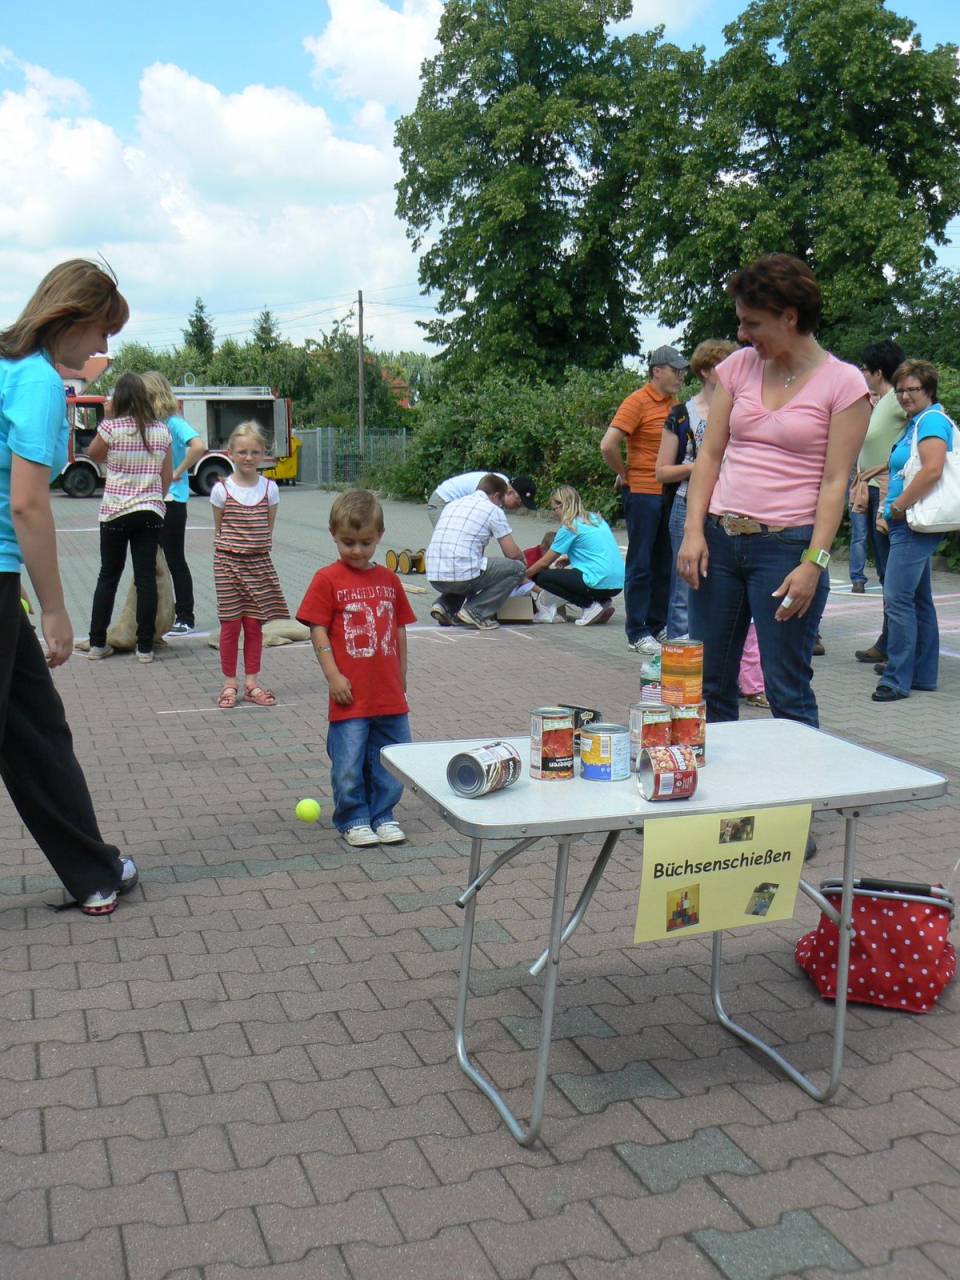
{"x": 369, "y": 51}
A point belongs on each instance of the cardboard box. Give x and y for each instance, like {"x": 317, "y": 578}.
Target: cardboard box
{"x": 516, "y": 609}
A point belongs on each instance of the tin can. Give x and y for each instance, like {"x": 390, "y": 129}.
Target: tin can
{"x": 551, "y": 744}
{"x": 650, "y": 691}
{"x": 605, "y": 752}
{"x": 689, "y": 729}
{"x": 582, "y": 716}
{"x": 681, "y": 672}
{"x": 650, "y": 726}
{"x": 667, "y": 773}
{"x": 484, "y": 769}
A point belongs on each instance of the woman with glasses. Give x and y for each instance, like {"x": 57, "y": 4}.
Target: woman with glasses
{"x": 913, "y": 637}
{"x": 767, "y": 493}
{"x": 593, "y": 572}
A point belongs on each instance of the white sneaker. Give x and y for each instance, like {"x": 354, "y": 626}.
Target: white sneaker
{"x": 390, "y": 833}
{"x": 362, "y": 836}
{"x": 646, "y": 644}
{"x": 599, "y": 611}
{"x": 662, "y": 636}
{"x": 546, "y": 613}
{"x": 144, "y": 657}
{"x": 98, "y": 651}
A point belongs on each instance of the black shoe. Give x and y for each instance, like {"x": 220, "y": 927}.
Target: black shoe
{"x": 872, "y": 654}
{"x": 880, "y": 668}
{"x": 818, "y": 649}
{"x": 811, "y": 849}
{"x": 885, "y": 694}
{"x": 858, "y": 588}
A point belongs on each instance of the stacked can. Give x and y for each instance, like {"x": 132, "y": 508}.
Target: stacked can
{"x": 650, "y": 680}
{"x": 681, "y": 684}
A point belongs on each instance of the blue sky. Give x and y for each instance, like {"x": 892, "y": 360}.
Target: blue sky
{"x": 241, "y": 152}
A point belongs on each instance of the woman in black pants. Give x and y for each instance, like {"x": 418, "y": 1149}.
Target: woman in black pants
{"x": 593, "y": 574}
{"x": 76, "y": 307}
{"x": 136, "y": 448}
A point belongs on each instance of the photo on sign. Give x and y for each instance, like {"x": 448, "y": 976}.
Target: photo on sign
{"x": 761, "y": 899}
{"x": 736, "y": 830}
{"x": 683, "y": 907}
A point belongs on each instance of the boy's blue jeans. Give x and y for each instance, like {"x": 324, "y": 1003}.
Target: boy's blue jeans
{"x": 364, "y": 793}
{"x": 742, "y": 573}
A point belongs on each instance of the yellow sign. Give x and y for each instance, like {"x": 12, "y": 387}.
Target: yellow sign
{"x": 720, "y": 870}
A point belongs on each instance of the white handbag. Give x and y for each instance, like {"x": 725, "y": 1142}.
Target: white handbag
{"x": 939, "y": 510}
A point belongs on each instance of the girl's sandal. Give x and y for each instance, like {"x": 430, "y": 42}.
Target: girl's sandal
{"x": 757, "y": 700}
{"x": 228, "y": 697}
{"x": 262, "y": 697}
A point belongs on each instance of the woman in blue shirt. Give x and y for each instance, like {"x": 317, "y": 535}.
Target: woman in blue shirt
{"x": 595, "y": 572}
{"x": 75, "y": 309}
{"x": 913, "y": 638}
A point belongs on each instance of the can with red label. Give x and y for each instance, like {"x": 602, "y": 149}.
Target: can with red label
{"x": 681, "y": 672}
{"x": 484, "y": 769}
{"x": 689, "y": 729}
{"x": 551, "y": 744}
{"x": 650, "y": 726}
{"x": 667, "y": 773}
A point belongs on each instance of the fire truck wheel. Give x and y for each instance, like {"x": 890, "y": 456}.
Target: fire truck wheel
{"x": 80, "y": 482}
{"x": 208, "y": 473}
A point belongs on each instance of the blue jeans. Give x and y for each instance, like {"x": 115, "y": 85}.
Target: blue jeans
{"x": 646, "y": 586}
{"x": 858, "y": 546}
{"x": 880, "y": 544}
{"x": 743, "y": 573}
{"x": 913, "y": 638}
{"x": 364, "y": 793}
{"x": 679, "y": 591}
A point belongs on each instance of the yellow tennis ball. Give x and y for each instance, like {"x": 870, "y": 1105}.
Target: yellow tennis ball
{"x": 308, "y": 810}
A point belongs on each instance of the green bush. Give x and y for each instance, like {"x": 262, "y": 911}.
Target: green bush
{"x": 550, "y": 432}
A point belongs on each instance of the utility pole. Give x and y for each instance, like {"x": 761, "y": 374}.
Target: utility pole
{"x": 360, "y": 399}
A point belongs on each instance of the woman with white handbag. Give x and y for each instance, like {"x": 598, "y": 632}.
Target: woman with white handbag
{"x": 917, "y": 513}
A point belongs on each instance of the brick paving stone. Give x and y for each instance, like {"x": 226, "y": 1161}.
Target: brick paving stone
{"x": 797, "y": 1241}
{"x": 773, "y": 1146}
{"x": 664, "y": 1167}
{"x": 594, "y": 1092}
{"x": 100, "y": 1254}
{"x": 183, "y": 1113}
{"x": 318, "y": 1264}
{"x": 454, "y": 1252}
{"x": 904, "y": 1264}
{"x": 643, "y": 1223}
{"x": 907, "y": 1218}
{"x": 804, "y": 1185}
{"x": 64, "y": 1127}
{"x": 335, "y": 1176}
{"x": 132, "y": 1159}
{"x": 279, "y": 1181}
{"x": 74, "y": 1211}
{"x": 24, "y": 1221}
{"x": 484, "y": 1196}
{"x": 363, "y": 1216}
{"x": 84, "y": 1164}
{"x": 906, "y": 1163}
{"x": 674, "y": 1259}
{"x": 154, "y": 1251}
{"x": 577, "y": 1230}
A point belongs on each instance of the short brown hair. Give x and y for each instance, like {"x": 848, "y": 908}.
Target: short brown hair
{"x": 778, "y": 281}
{"x": 924, "y": 372}
{"x": 709, "y": 353}
{"x": 355, "y": 510}
{"x": 161, "y": 394}
{"x": 492, "y": 485}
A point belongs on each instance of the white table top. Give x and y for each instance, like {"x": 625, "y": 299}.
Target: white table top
{"x": 751, "y": 763}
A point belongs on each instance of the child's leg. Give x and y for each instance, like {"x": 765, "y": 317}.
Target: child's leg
{"x": 229, "y": 647}
{"x": 382, "y": 788}
{"x": 751, "y": 673}
{"x": 347, "y": 749}
{"x": 252, "y": 649}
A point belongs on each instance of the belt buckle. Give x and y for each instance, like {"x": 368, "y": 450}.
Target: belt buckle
{"x": 736, "y": 525}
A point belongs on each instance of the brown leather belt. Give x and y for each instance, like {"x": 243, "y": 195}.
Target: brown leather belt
{"x": 737, "y": 525}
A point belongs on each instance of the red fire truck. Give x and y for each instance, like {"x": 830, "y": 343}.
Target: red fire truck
{"x": 213, "y": 412}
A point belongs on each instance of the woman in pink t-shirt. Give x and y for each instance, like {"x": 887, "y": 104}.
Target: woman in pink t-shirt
{"x": 767, "y": 493}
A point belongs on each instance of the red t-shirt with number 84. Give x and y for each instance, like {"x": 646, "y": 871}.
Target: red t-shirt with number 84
{"x": 361, "y": 611}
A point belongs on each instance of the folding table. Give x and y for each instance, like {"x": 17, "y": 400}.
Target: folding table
{"x": 750, "y": 764}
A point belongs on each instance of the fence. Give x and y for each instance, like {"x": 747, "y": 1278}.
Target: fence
{"x": 329, "y": 456}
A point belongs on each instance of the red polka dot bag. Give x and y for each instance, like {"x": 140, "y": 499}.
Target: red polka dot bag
{"x": 900, "y": 955}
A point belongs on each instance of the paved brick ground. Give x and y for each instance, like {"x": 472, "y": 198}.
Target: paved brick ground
{"x": 248, "y": 1070}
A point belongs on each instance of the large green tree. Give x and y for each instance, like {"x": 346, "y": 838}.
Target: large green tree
{"x": 199, "y": 333}
{"x": 825, "y": 130}
{"x": 506, "y": 188}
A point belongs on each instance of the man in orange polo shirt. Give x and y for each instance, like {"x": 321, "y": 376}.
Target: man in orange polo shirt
{"x": 640, "y": 421}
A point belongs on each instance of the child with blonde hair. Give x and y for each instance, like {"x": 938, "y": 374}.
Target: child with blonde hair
{"x": 248, "y": 590}
{"x": 357, "y": 613}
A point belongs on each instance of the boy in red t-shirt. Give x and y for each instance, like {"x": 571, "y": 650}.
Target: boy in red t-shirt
{"x": 357, "y": 613}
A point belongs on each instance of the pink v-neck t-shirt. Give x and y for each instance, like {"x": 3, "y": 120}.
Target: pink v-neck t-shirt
{"x": 773, "y": 465}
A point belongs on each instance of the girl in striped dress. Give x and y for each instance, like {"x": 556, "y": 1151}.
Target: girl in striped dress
{"x": 248, "y": 591}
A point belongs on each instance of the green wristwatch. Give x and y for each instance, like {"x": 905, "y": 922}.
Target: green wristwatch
{"x": 820, "y": 558}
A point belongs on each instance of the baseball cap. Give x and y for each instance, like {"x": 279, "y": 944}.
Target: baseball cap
{"x": 526, "y": 489}
{"x": 670, "y": 356}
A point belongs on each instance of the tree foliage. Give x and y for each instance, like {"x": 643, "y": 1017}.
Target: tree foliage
{"x": 506, "y": 186}
{"x": 199, "y": 333}
{"x": 824, "y": 130}
{"x": 266, "y": 331}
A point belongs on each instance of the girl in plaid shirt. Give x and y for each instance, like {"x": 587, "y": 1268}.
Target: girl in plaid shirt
{"x": 136, "y": 448}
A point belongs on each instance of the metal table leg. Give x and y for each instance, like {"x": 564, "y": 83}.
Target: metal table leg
{"x": 528, "y": 1135}
{"x": 846, "y": 931}
{"x": 589, "y": 888}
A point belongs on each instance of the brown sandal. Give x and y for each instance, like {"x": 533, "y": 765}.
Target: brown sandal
{"x": 228, "y": 697}
{"x": 262, "y": 697}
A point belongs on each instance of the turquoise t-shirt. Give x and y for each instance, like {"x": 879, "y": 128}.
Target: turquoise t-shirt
{"x": 33, "y": 425}
{"x": 933, "y": 423}
{"x": 593, "y": 550}
{"x": 181, "y": 433}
